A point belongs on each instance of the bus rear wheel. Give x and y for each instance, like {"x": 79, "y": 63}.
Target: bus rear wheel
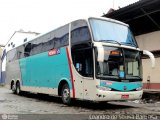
{"x": 18, "y": 90}
{"x": 13, "y": 87}
{"x": 65, "y": 93}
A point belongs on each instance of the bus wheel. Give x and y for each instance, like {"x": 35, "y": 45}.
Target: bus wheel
{"x": 18, "y": 88}
{"x": 65, "y": 93}
{"x": 13, "y": 87}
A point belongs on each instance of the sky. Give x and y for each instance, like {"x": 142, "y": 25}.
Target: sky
{"x": 45, "y": 15}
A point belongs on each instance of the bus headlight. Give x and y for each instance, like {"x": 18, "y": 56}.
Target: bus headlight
{"x": 103, "y": 88}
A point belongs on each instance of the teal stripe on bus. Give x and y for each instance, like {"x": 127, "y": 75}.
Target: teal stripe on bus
{"x": 121, "y": 86}
{"x": 42, "y": 70}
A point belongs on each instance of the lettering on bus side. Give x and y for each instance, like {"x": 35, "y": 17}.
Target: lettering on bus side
{"x": 53, "y": 52}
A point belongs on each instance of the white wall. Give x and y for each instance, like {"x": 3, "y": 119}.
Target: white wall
{"x": 0, "y": 51}
{"x": 153, "y": 73}
{"x": 151, "y": 42}
{"x": 18, "y": 39}
{"x": 0, "y": 62}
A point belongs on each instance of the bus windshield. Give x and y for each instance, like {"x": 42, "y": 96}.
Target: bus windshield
{"x": 106, "y": 31}
{"x": 119, "y": 64}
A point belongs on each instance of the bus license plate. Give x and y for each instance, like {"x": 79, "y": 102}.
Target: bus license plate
{"x": 125, "y": 96}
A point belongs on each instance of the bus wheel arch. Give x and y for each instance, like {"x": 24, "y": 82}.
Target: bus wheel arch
{"x": 13, "y": 87}
{"x": 64, "y": 92}
{"x": 60, "y": 86}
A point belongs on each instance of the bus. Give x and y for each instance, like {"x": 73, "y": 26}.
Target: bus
{"x": 94, "y": 59}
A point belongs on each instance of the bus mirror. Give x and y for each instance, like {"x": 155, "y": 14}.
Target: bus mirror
{"x": 100, "y": 50}
{"x": 151, "y": 56}
{"x": 100, "y": 57}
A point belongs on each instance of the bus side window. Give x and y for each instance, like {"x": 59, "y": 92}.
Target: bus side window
{"x": 80, "y": 35}
{"x": 81, "y": 50}
{"x": 61, "y": 36}
{"x": 27, "y": 49}
{"x": 83, "y": 61}
{"x": 80, "y": 32}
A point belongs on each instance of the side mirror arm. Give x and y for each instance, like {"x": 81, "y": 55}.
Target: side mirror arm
{"x": 151, "y": 56}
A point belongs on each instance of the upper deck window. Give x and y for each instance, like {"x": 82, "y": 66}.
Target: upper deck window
{"x": 108, "y": 31}
{"x": 80, "y": 32}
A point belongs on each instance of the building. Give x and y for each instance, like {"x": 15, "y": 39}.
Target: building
{"x": 1, "y": 50}
{"x": 143, "y": 18}
{"x": 18, "y": 38}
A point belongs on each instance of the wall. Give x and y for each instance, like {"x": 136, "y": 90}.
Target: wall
{"x": 151, "y": 42}
{"x": 153, "y": 73}
{"x": 0, "y": 63}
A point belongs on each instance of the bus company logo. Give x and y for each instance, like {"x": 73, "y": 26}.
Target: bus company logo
{"x": 4, "y": 116}
{"x": 109, "y": 83}
{"x": 125, "y": 88}
{"x": 54, "y": 52}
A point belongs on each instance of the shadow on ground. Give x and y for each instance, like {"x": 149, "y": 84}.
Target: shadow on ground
{"x": 76, "y": 103}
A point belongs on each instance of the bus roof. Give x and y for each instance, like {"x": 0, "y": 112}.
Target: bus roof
{"x": 87, "y": 18}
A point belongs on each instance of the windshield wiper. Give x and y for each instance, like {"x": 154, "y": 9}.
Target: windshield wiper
{"x": 110, "y": 41}
{"x": 133, "y": 77}
{"x": 130, "y": 44}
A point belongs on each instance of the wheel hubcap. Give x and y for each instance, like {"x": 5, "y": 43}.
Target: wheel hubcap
{"x": 13, "y": 87}
{"x": 66, "y": 94}
{"x": 17, "y": 90}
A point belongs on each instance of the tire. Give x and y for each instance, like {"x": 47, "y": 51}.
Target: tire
{"x": 18, "y": 90}
{"x": 65, "y": 93}
{"x": 13, "y": 88}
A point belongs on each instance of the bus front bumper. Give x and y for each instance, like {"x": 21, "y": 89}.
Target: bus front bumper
{"x": 114, "y": 95}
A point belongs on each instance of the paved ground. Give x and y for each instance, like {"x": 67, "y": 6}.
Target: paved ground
{"x": 48, "y": 107}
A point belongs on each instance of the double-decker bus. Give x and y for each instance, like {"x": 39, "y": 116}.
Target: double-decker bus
{"x": 94, "y": 59}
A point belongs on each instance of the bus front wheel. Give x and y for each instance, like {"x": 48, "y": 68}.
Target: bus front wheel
{"x": 65, "y": 93}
